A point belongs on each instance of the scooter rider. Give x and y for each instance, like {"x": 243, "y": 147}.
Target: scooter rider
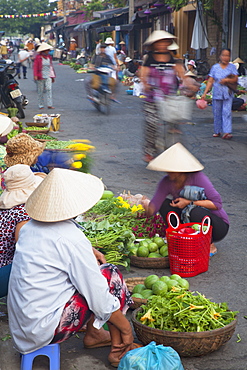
{"x": 94, "y": 83}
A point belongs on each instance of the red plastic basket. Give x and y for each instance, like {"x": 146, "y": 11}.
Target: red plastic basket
{"x": 188, "y": 253}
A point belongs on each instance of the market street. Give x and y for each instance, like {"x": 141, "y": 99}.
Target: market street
{"x": 118, "y": 161}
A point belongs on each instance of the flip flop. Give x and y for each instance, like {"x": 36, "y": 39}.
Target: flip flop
{"x": 212, "y": 254}
{"x": 227, "y": 136}
{"x": 105, "y": 343}
{"x": 216, "y": 135}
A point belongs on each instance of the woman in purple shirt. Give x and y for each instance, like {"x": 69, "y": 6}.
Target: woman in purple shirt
{"x": 183, "y": 169}
{"x": 220, "y": 75}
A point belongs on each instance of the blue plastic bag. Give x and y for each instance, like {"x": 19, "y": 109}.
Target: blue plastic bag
{"x": 151, "y": 357}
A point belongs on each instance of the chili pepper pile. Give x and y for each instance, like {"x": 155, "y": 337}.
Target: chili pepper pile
{"x": 185, "y": 311}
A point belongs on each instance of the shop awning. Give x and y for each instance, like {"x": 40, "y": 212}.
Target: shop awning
{"x": 154, "y": 12}
{"x": 110, "y": 13}
{"x": 88, "y": 25}
{"x": 124, "y": 27}
{"x": 57, "y": 28}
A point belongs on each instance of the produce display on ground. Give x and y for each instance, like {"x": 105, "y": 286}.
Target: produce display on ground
{"x": 113, "y": 225}
{"x": 154, "y": 285}
{"x": 180, "y": 310}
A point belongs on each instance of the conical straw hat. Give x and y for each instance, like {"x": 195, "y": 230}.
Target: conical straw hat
{"x": 238, "y": 60}
{"x": 44, "y": 46}
{"x": 175, "y": 159}
{"x": 158, "y": 35}
{"x": 64, "y": 194}
{"x": 173, "y": 46}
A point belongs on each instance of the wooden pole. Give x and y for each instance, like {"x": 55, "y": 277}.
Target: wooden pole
{"x": 131, "y": 33}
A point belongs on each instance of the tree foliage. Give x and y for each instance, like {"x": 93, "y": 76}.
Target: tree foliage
{"x": 19, "y": 7}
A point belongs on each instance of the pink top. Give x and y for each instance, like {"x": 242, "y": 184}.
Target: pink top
{"x": 166, "y": 187}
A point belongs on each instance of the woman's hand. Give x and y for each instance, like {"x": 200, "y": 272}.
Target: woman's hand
{"x": 223, "y": 81}
{"x": 99, "y": 256}
{"x": 35, "y": 78}
{"x": 180, "y": 203}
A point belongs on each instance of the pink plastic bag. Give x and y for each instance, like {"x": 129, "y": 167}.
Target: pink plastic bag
{"x": 201, "y": 104}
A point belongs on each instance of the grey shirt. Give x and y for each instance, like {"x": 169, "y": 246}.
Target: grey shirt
{"x": 51, "y": 262}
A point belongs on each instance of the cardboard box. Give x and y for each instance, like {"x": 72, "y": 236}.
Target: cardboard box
{"x": 55, "y": 122}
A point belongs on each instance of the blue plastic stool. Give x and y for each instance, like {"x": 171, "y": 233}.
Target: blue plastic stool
{"x": 52, "y": 351}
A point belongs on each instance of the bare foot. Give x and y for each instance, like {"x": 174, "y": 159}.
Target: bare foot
{"x": 213, "y": 248}
{"x": 114, "y": 357}
{"x": 96, "y": 337}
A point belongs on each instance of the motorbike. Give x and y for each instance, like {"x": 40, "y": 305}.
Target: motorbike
{"x": 102, "y": 96}
{"x": 10, "y": 94}
{"x": 64, "y": 53}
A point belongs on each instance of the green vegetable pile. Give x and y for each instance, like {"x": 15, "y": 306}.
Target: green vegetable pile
{"x": 59, "y": 144}
{"x": 43, "y": 137}
{"x": 111, "y": 239}
{"x": 184, "y": 311}
{"x": 35, "y": 128}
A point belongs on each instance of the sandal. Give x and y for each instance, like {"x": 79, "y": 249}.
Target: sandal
{"x": 227, "y": 136}
{"x": 216, "y": 135}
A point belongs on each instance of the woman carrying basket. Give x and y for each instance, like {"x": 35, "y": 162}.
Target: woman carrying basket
{"x": 187, "y": 191}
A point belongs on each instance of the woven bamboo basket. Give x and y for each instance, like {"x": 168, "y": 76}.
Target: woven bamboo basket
{"x": 149, "y": 263}
{"x": 189, "y": 344}
{"x": 131, "y": 282}
{"x": 37, "y": 124}
{"x": 35, "y": 132}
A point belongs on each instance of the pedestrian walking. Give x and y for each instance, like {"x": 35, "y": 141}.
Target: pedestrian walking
{"x": 44, "y": 74}
{"x": 159, "y": 77}
{"x": 223, "y": 76}
{"x": 22, "y": 62}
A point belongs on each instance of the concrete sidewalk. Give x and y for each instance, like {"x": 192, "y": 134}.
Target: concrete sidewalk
{"x": 118, "y": 162}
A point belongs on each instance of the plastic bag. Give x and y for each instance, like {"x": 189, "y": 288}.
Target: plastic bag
{"x": 151, "y": 357}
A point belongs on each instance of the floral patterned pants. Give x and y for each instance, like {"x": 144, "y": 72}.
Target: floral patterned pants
{"x": 76, "y": 312}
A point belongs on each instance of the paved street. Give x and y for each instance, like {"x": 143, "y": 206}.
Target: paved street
{"x": 118, "y": 161}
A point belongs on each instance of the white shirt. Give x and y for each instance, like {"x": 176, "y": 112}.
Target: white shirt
{"x": 51, "y": 262}
{"x": 22, "y": 55}
{"x": 111, "y": 51}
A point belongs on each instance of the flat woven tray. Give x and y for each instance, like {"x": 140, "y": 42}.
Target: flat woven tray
{"x": 35, "y": 132}
{"x": 37, "y": 124}
{"x": 189, "y": 344}
{"x": 149, "y": 263}
{"x": 131, "y": 282}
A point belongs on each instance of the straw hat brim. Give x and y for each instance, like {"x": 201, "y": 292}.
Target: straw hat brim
{"x": 238, "y": 60}
{"x": 158, "y": 35}
{"x": 43, "y": 47}
{"x": 22, "y": 149}
{"x": 63, "y": 195}
{"x": 189, "y": 73}
{"x": 6, "y": 125}
{"x": 20, "y": 190}
{"x": 173, "y": 46}
{"x": 175, "y": 159}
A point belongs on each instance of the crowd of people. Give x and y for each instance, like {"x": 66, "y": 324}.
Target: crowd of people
{"x": 46, "y": 286}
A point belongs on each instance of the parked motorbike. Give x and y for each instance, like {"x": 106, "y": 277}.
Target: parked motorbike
{"x": 10, "y": 94}
{"x": 64, "y": 53}
{"x": 102, "y": 96}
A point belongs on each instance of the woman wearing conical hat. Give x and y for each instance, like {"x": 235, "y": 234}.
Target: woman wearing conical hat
{"x": 187, "y": 191}
{"x": 159, "y": 74}
{"x": 56, "y": 284}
